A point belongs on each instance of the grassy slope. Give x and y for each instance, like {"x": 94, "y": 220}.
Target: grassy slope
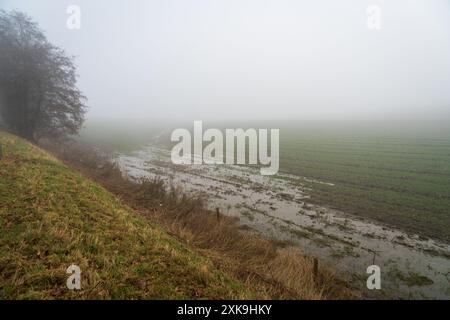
{"x": 51, "y": 217}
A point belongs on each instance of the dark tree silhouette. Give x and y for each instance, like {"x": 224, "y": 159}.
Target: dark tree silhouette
{"x": 38, "y": 92}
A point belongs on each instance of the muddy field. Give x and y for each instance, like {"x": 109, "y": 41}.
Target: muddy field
{"x": 412, "y": 266}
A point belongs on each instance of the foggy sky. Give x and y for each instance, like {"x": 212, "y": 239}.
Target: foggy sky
{"x": 223, "y": 59}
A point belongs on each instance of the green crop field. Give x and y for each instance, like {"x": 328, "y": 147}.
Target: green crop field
{"x": 398, "y": 175}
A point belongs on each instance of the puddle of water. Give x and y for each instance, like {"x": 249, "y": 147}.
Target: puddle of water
{"x": 411, "y": 266}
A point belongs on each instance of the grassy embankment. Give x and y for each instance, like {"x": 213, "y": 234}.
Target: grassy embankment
{"x": 51, "y": 217}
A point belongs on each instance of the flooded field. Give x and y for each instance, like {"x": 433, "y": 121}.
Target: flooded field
{"x": 412, "y": 266}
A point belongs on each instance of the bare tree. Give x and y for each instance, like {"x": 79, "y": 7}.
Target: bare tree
{"x": 38, "y": 92}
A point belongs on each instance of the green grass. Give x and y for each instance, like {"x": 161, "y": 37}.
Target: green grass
{"x": 411, "y": 278}
{"x": 52, "y": 217}
{"x": 400, "y": 177}
{"x": 122, "y": 136}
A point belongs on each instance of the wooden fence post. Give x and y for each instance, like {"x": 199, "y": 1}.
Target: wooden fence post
{"x": 218, "y": 214}
{"x": 315, "y": 269}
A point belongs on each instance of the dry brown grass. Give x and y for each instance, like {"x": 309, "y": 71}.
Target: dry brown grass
{"x": 274, "y": 271}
